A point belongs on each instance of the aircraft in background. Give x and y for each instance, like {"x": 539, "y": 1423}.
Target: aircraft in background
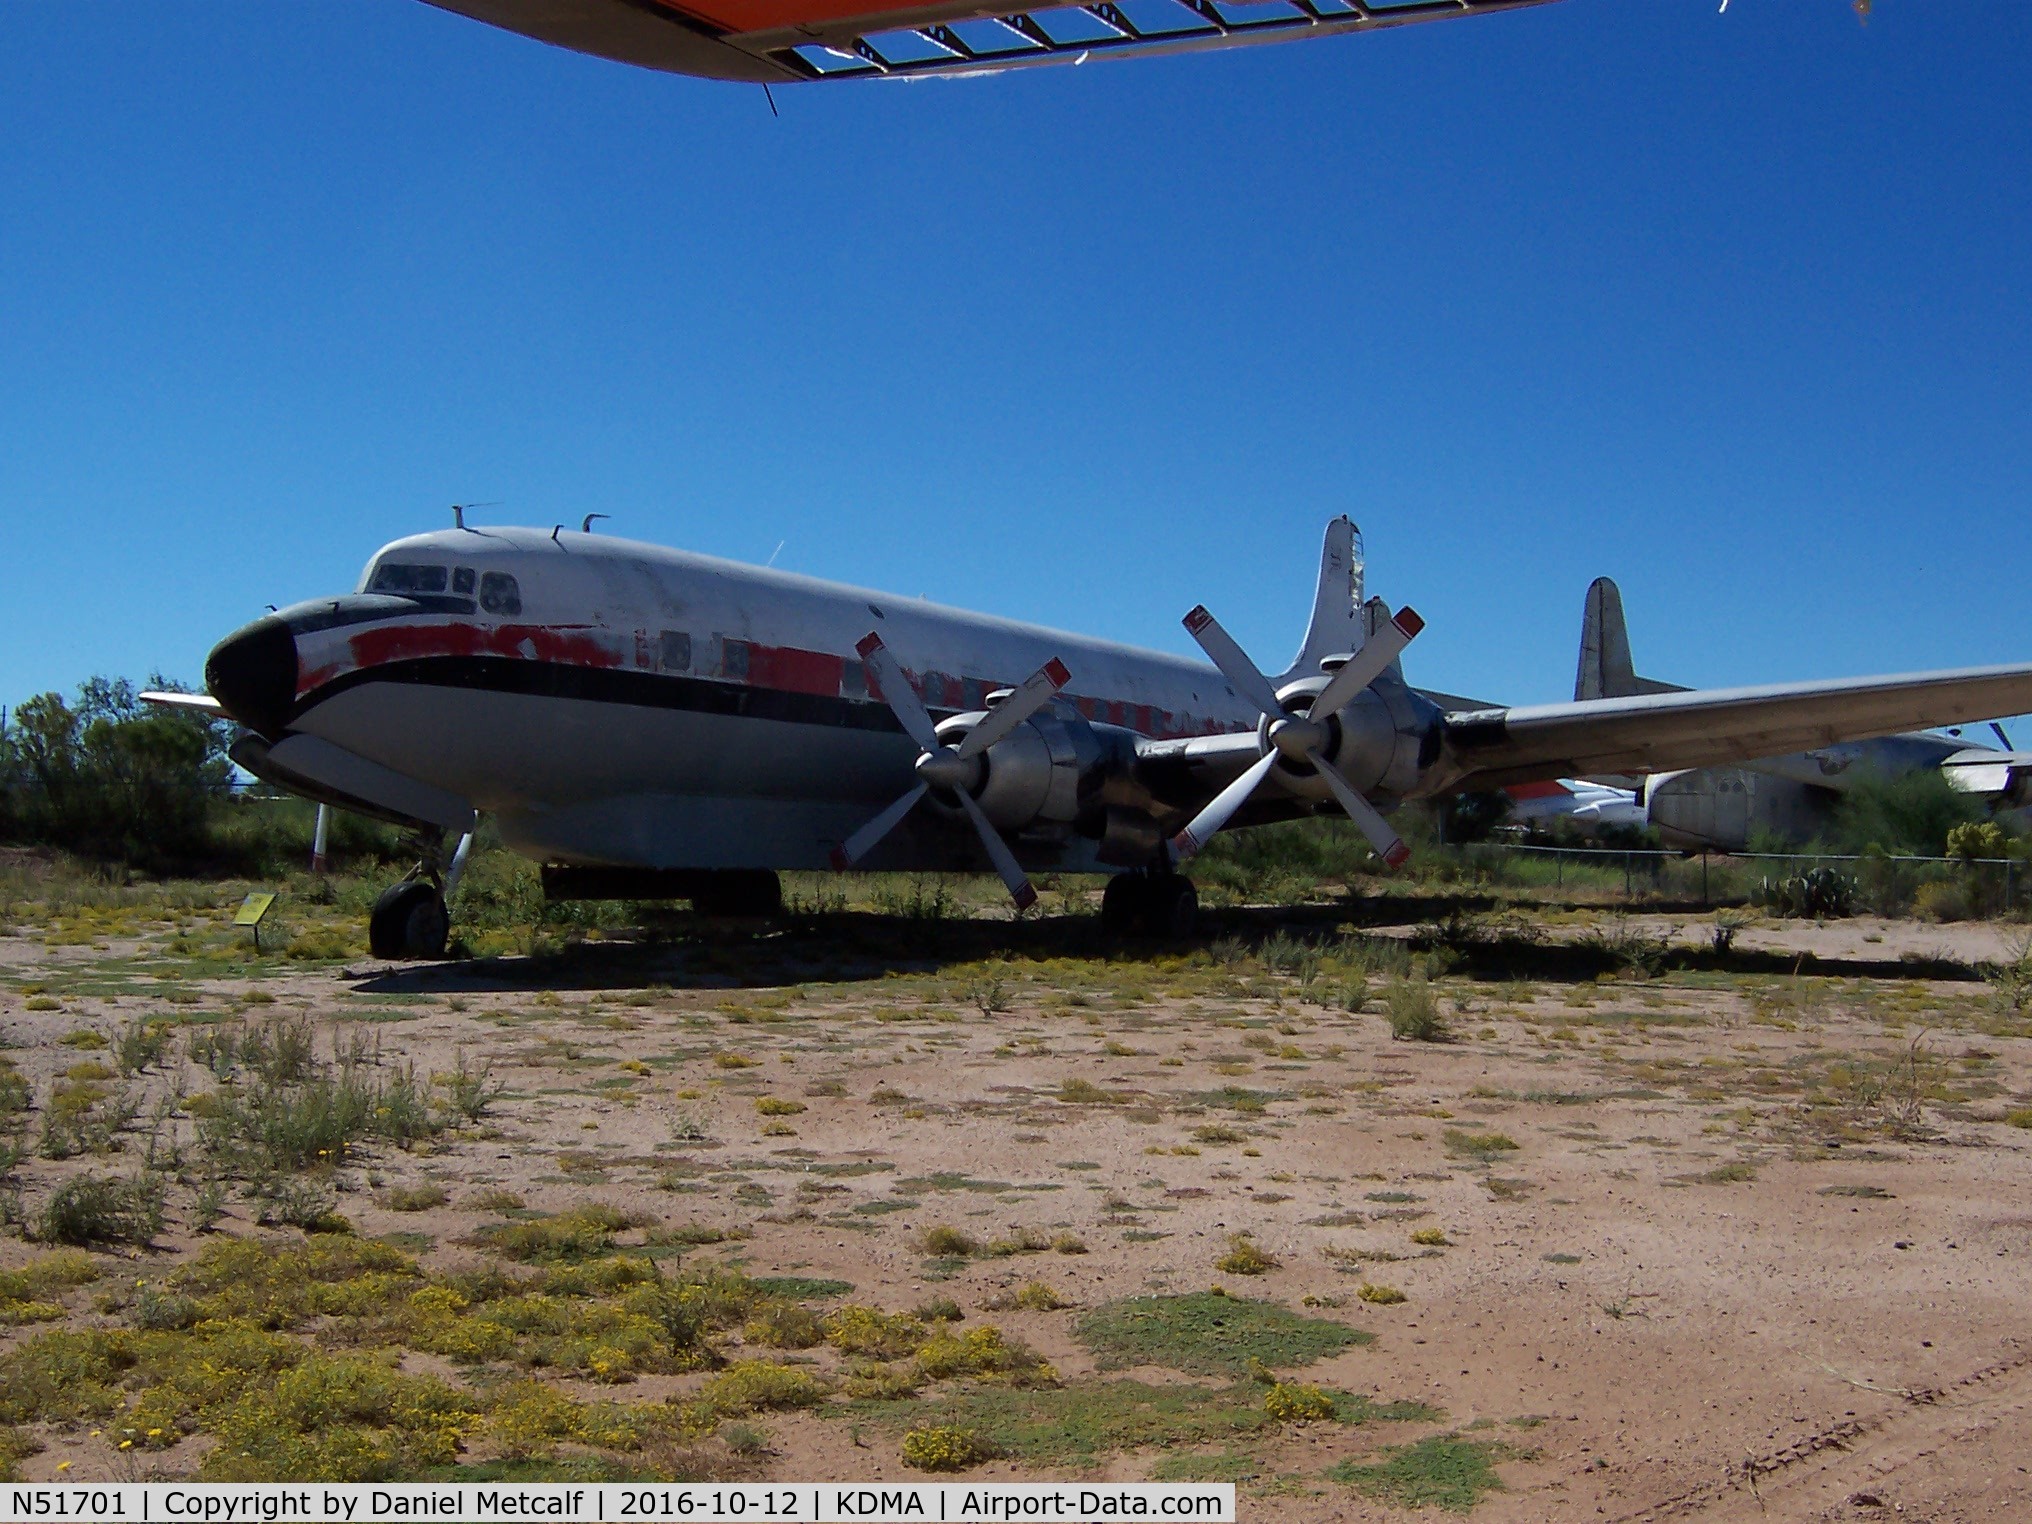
{"x": 782, "y": 41}
{"x": 650, "y": 723}
{"x": 1592, "y": 808}
{"x": 1790, "y": 797}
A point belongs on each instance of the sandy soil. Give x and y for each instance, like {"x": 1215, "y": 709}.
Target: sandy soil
{"x": 1716, "y": 1279}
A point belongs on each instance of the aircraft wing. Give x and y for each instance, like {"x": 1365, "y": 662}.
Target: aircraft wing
{"x": 776, "y": 41}
{"x": 1646, "y": 733}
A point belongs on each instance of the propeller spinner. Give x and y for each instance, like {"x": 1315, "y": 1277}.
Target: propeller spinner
{"x": 953, "y": 770}
{"x": 1298, "y": 738}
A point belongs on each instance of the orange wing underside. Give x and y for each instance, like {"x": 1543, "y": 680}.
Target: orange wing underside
{"x": 765, "y": 15}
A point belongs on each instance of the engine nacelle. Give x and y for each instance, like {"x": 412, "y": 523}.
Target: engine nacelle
{"x": 1378, "y": 740}
{"x": 1038, "y": 774}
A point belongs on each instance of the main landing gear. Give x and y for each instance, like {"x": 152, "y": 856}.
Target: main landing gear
{"x": 410, "y": 919}
{"x": 1150, "y": 903}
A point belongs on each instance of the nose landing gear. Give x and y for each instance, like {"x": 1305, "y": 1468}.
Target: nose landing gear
{"x": 410, "y": 919}
{"x": 1151, "y": 903}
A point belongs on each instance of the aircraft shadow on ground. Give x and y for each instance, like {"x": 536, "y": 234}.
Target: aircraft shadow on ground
{"x": 685, "y": 953}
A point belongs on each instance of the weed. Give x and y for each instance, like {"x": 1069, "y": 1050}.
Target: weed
{"x": 1208, "y": 1333}
{"x": 1413, "y": 1012}
{"x": 1035, "y": 1296}
{"x": 142, "y": 1044}
{"x": 415, "y": 1198}
{"x": 945, "y": 1447}
{"x": 775, "y": 1106}
{"x": 784, "y": 1325}
{"x": 984, "y": 1351}
{"x": 95, "y": 1209}
{"x": 1380, "y": 1296}
{"x": 583, "y": 1233}
{"x": 1294, "y": 1402}
{"x": 949, "y": 1243}
{"x": 470, "y": 1091}
{"x": 1081, "y": 1092}
{"x": 1431, "y": 1238}
{"x": 1442, "y": 1471}
{"x": 1477, "y": 1145}
{"x": 1245, "y": 1257}
{"x": 754, "y": 1386}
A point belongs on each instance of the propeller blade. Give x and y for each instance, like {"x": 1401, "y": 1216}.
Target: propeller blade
{"x": 1388, "y": 844}
{"x": 1999, "y": 729}
{"x": 1207, "y": 823}
{"x": 1233, "y": 661}
{"x": 1018, "y": 705}
{"x": 998, "y": 850}
{"x": 863, "y": 841}
{"x": 897, "y": 693}
{"x": 1367, "y": 664}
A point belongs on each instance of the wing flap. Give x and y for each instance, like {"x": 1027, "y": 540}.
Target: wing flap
{"x": 1668, "y": 732}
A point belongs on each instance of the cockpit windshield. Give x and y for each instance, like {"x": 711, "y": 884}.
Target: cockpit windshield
{"x": 403, "y": 577}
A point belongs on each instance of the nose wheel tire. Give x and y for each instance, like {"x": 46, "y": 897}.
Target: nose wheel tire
{"x": 409, "y": 921}
{"x": 1161, "y": 905}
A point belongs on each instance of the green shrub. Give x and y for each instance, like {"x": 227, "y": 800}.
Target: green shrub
{"x": 1413, "y": 1012}
{"x": 94, "y": 1209}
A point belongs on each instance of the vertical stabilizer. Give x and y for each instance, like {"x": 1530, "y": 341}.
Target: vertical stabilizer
{"x": 1336, "y": 628}
{"x": 1606, "y": 670}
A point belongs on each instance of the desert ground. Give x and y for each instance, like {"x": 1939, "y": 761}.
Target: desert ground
{"x": 1658, "y": 1228}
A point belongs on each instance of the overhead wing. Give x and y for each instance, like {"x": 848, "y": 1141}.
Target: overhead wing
{"x": 780, "y": 40}
{"x": 1487, "y": 748}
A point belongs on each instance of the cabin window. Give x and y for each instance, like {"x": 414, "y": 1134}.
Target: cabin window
{"x": 462, "y": 582}
{"x": 734, "y": 660}
{"x": 676, "y": 651}
{"x": 853, "y": 680}
{"x": 403, "y": 577}
{"x": 971, "y": 694}
{"x": 498, "y": 593}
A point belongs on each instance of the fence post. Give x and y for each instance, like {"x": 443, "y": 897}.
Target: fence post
{"x": 1626, "y": 875}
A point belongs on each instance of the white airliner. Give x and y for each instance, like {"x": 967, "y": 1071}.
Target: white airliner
{"x": 652, "y": 723}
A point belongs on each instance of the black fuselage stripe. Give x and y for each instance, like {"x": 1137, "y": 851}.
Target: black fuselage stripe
{"x": 599, "y": 685}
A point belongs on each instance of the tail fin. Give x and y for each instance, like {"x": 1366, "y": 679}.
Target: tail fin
{"x": 1606, "y": 670}
{"x": 1336, "y": 626}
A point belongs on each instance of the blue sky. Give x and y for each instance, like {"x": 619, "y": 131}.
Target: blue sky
{"x": 1731, "y": 306}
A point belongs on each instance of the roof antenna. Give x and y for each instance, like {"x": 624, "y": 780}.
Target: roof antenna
{"x": 587, "y": 526}
{"x": 769, "y": 96}
{"x": 458, "y": 515}
{"x": 554, "y": 530}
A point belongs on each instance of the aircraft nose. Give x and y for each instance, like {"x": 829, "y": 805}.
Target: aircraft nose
{"x": 252, "y": 673}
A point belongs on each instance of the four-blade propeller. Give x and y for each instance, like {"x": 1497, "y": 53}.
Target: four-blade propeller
{"x": 1300, "y": 739}
{"x": 953, "y": 770}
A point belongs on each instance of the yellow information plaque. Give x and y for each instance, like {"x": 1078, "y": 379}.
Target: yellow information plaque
{"x": 252, "y": 909}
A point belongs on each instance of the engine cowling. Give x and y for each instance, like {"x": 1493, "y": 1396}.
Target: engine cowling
{"x": 1376, "y": 740}
{"x": 1039, "y": 774}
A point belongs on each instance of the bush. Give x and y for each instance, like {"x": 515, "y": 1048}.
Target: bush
{"x": 1413, "y": 1012}
{"x": 1297, "y": 1402}
{"x": 950, "y": 1243}
{"x": 1245, "y": 1257}
{"x": 92, "y": 1209}
{"x": 945, "y": 1447}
